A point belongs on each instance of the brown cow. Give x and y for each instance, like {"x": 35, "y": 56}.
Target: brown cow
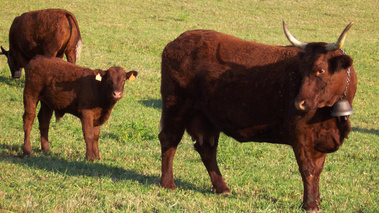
{"x": 63, "y": 87}
{"x": 51, "y": 32}
{"x": 213, "y": 82}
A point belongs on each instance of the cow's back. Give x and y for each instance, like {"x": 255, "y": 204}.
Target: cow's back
{"x": 44, "y": 32}
{"x": 246, "y": 89}
{"x": 60, "y": 84}
{"x": 209, "y": 51}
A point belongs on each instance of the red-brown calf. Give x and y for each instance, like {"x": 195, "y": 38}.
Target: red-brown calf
{"x": 63, "y": 87}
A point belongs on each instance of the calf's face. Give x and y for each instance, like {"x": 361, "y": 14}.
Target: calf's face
{"x": 114, "y": 79}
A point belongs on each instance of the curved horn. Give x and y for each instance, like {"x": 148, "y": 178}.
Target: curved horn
{"x": 340, "y": 41}
{"x": 292, "y": 39}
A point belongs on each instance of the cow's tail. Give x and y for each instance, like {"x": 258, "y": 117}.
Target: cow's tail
{"x": 75, "y": 34}
{"x": 78, "y": 48}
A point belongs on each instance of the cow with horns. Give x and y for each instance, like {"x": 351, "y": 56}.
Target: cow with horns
{"x": 213, "y": 83}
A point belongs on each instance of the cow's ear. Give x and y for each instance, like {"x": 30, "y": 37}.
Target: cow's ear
{"x": 131, "y": 75}
{"x": 340, "y": 62}
{"x": 100, "y": 74}
{"x": 3, "y": 51}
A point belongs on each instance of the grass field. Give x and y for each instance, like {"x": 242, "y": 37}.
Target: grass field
{"x": 132, "y": 34}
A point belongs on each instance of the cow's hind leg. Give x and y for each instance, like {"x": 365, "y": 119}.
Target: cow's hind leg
{"x": 206, "y": 136}
{"x": 44, "y": 116}
{"x": 208, "y": 152}
{"x": 169, "y": 137}
{"x": 172, "y": 130}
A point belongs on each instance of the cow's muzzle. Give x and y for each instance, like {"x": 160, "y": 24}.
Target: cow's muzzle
{"x": 300, "y": 105}
{"x": 16, "y": 74}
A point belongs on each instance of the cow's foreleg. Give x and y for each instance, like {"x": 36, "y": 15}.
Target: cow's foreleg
{"x": 44, "y": 117}
{"x": 311, "y": 164}
{"x": 30, "y": 104}
{"x": 208, "y": 153}
{"x": 88, "y": 133}
{"x": 95, "y": 143}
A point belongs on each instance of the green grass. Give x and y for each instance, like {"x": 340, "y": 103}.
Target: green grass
{"x": 262, "y": 177}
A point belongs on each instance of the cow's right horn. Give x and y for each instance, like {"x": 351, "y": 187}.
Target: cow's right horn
{"x": 292, "y": 39}
{"x": 340, "y": 41}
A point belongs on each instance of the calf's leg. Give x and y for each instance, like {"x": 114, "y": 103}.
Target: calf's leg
{"x": 95, "y": 146}
{"x": 30, "y": 104}
{"x": 88, "y": 133}
{"x": 208, "y": 153}
{"x": 44, "y": 116}
{"x": 311, "y": 164}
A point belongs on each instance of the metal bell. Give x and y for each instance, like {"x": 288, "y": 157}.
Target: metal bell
{"x": 342, "y": 108}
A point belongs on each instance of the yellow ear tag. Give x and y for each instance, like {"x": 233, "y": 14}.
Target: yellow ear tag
{"x": 98, "y": 77}
{"x": 131, "y": 78}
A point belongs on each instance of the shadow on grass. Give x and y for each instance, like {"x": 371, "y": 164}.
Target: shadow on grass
{"x": 368, "y": 131}
{"x": 152, "y": 103}
{"x": 54, "y": 163}
{"x": 19, "y": 83}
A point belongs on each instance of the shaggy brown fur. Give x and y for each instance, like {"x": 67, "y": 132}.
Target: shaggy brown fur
{"x": 66, "y": 88}
{"x": 50, "y": 32}
{"x": 213, "y": 82}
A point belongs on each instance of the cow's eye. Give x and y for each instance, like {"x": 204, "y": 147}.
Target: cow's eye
{"x": 319, "y": 72}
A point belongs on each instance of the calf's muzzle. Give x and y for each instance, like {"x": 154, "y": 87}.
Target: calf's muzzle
{"x": 117, "y": 95}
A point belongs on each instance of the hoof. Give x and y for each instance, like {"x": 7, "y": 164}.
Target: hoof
{"x": 91, "y": 159}
{"x": 222, "y": 191}
{"x": 24, "y": 156}
{"x": 26, "y": 151}
{"x": 311, "y": 208}
{"x": 170, "y": 186}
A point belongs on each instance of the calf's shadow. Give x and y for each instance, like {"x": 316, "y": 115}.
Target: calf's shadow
{"x": 54, "y": 163}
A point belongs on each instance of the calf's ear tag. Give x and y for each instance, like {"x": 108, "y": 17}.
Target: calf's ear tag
{"x": 131, "y": 78}
{"x": 98, "y": 77}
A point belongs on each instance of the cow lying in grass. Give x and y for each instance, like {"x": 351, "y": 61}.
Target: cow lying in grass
{"x": 63, "y": 87}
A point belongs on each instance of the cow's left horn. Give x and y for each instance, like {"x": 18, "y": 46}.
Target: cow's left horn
{"x": 340, "y": 41}
{"x": 292, "y": 39}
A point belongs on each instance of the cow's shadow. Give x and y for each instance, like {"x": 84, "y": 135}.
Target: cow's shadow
{"x": 152, "y": 103}
{"x": 368, "y": 131}
{"x": 56, "y": 164}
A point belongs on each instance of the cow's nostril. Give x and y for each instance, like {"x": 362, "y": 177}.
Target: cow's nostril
{"x": 300, "y": 105}
{"x": 117, "y": 94}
